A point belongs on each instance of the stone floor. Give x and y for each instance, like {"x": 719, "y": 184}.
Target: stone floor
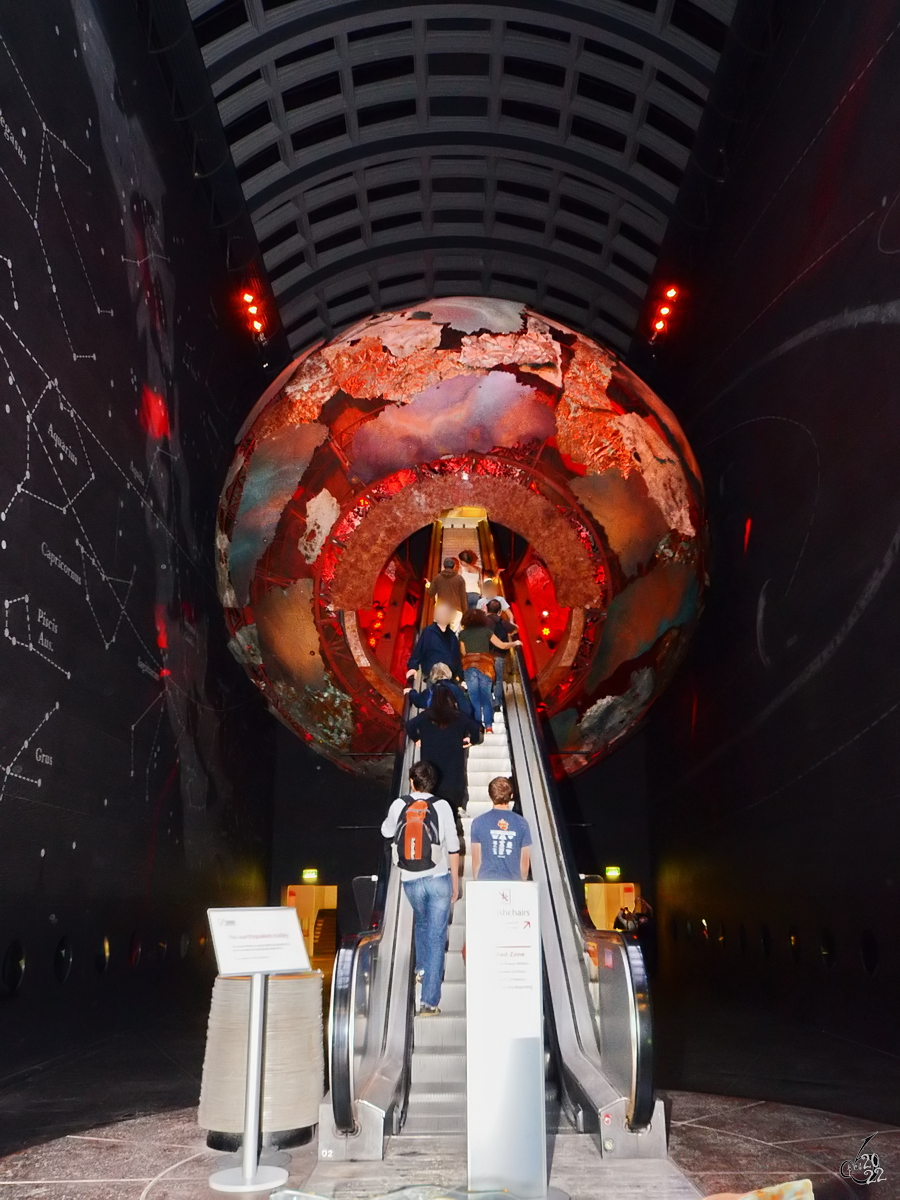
{"x": 717, "y": 1144}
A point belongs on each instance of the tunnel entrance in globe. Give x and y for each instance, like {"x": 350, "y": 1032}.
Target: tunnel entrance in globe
{"x": 388, "y": 626}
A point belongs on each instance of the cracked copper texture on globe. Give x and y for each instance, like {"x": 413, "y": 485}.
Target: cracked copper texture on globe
{"x": 463, "y": 400}
{"x": 588, "y": 374}
{"x": 370, "y": 545}
{"x": 533, "y": 351}
{"x": 301, "y": 400}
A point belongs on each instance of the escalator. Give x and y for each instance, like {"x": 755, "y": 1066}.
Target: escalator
{"x": 390, "y": 1072}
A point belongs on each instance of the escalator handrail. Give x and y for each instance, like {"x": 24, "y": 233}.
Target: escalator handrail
{"x": 342, "y": 1012}
{"x": 641, "y": 1101}
{"x": 342, "y": 1049}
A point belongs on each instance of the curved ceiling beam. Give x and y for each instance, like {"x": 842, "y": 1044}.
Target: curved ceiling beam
{"x": 264, "y": 45}
{"x": 463, "y": 243}
{"x": 276, "y": 192}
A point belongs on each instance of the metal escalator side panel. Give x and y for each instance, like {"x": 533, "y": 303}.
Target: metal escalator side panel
{"x": 340, "y": 1051}
{"x": 603, "y": 1024}
{"x": 369, "y": 1033}
{"x": 576, "y": 1028}
{"x": 644, "y": 1094}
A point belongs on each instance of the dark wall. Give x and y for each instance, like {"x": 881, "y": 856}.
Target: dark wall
{"x": 772, "y": 762}
{"x": 325, "y": 818}
{"x": 134, "y": 777}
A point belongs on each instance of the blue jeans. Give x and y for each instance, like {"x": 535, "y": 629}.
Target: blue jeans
{"x": 472, "y": 599}
{"x": 480, "y": 694}
{"x": 430, "y": 900}
{"x": 498, "y": 680}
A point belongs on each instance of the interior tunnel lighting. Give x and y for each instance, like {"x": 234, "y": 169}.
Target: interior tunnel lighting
{"x": 671, "y": 293}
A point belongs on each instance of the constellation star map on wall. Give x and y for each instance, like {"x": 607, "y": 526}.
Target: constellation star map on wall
{"x": 113, "y": 341}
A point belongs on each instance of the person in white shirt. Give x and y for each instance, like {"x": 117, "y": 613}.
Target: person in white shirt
{"x": 472, "y": 576}
{"x": 490, "y": 591}
{"x": 430, "y": 890}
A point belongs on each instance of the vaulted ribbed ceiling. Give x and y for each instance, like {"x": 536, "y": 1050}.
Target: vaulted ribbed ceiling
{"x": 531, "y": 151}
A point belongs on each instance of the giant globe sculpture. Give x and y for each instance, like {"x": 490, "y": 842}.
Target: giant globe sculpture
{"x": 462, "y": 404}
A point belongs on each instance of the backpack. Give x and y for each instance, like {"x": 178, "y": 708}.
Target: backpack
{"x": 418, "y": 833}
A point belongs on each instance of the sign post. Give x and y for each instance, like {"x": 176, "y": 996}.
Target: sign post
{"x": 506, "y": 1113}
{"x": 257, "y": 942}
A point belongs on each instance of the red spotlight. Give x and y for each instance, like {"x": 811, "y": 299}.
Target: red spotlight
{"x": 748, "y": 525}
{"x": 254, "y": 312}
{"x": 665, "y": 308}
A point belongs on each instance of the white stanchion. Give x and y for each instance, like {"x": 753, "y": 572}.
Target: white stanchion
{"x": 250, "y": 1176}
{"x": 258, "y": 942}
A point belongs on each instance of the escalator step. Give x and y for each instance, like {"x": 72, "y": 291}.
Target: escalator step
{"x": 448, "y": 1031}
{"x": 439, "y": 1065}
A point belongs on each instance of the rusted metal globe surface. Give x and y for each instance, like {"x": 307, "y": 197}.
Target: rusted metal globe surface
{"x": 590, "y": 489}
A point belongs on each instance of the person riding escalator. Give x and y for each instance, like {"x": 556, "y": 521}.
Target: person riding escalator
{"x": 479, "y": 643}
{"x": 445, "y": 733}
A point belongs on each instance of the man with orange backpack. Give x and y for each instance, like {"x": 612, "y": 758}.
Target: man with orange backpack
{"x": 426, "y": 845}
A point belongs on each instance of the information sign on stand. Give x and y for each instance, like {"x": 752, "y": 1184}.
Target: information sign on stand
{"x": 257, "y": 942}
{"x": 507, "y": 1144}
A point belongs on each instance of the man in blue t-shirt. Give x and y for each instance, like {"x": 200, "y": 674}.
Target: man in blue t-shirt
{"x": 500, "y": 838}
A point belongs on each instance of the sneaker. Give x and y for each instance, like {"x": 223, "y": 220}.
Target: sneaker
{"x": 489, "y": 729}
{"x": 426, "y": 1010}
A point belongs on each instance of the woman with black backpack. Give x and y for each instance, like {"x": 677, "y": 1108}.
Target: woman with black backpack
{"x": 445, "y": 733}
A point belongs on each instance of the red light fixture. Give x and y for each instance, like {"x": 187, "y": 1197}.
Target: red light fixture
{"x": 662, "y": 310}
{"x": 254, "y": 313}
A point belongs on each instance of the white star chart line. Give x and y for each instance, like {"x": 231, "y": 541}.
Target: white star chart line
{"x": 46, "y": 134}
{"x": 139, "y": 262}
{"x": 188, "y": 556}
{"x": 88, "y": 556}
{"x": 7, "y": 772}
{"x": 12, "y": 281}
{"x": 106, "y": 312}
{"x": 134, "y": 726}
{"x": 33, "y": 104}
{"x": 30, "y": 644}
{"x": 21, "y": 489}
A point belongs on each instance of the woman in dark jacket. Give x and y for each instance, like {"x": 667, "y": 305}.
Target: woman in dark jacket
{"x": 439, "y": 673}
{"x": 444, "y": 733}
